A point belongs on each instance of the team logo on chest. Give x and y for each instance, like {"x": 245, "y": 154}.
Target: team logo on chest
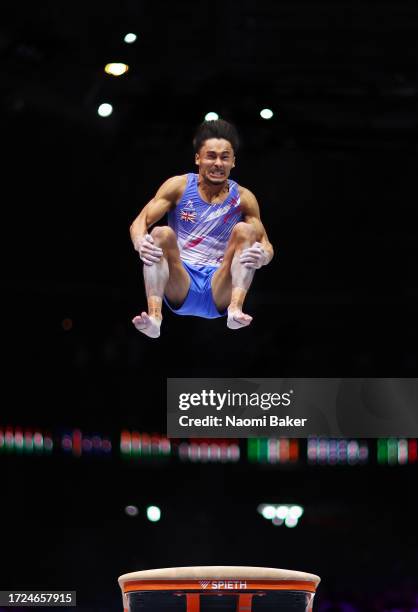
{"x": 188, "y": 213}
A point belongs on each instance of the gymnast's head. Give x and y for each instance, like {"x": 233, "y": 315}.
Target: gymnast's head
{"x": 215, "y": 144}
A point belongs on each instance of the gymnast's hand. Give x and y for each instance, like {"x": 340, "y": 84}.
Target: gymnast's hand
{"x": 253, "y": 257}
{"x": 148, "y": 251}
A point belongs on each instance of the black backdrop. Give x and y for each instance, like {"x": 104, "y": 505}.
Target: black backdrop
{"x": 335, "y": 174}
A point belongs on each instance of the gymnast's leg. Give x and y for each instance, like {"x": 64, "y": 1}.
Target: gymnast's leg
{"x": 163, "y": 275}
{"x": 233, "y": 279}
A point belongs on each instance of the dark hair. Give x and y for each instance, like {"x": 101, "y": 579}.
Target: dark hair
{"x": 216, "y": 129}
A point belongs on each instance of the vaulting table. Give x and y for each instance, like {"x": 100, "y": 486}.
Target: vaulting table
{"x": 218, "y": 588}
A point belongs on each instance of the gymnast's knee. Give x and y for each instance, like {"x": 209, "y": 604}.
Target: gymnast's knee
{"x": 247, "y": 232}
{"x": 163, "y": 236}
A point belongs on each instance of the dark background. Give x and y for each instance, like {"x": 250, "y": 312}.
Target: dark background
{"x": 335, "y": 174}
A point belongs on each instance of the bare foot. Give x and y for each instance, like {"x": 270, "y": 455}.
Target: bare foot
{"x": 150, "y": 326}
{"x": 237, "y": 319}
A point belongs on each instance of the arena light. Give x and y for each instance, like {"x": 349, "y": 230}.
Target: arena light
{"x": 105, "y": 110}
{"x": 213, "y": 451}
{"x": 295, "y": 512}
{"x": 130, "y": 38}
{"x": 273, "y": 450}
{"x": 211, "y": 116}
{"x": 48, "y": 444}
{"x": 281, "y": 514}
{"x": 22, "y": 440}
{"x": 266, "y": 113}
{"x": 140, "y": 445}
{"x": 335, "y": 451}
{"x": 19, "y": 439}
{"x": 131, "y": 511}
{"x": 268, "y": 511}
{"x": 290, "y": 521}
{"x": 38, "y": 441}
{"x": 394, "y": 451}
{"x": 116, "y": 68}
{"x": 78, "y": 443}
{"x": 153, "y": 514}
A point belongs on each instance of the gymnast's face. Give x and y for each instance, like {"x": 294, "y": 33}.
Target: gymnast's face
{"x": 215, "y": 160}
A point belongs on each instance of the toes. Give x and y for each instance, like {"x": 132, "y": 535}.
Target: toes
{"x": 242, "y": 318}
{"x": 147, "y": 325}
{"x": 142, "y": 318}
{"x": 238, "y": 319}
{"x": 140, "y": 322}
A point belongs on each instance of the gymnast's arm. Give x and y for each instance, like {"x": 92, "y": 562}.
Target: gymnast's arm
{"x": 251, "y": 213}
{"x": 166, "y": 198}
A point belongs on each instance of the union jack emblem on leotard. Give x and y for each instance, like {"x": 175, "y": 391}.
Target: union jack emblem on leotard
{"x": 185, "y": 215}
